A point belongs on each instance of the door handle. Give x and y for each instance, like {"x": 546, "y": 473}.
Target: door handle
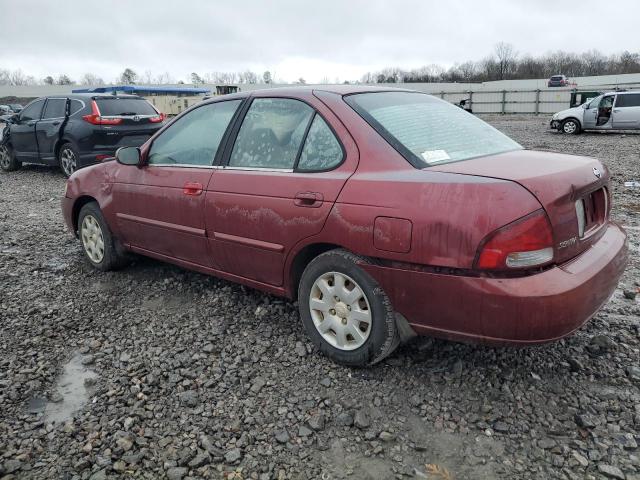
{"x": 192, "y": 188}
{"x": 308, "y": 199}
{"x": 616, "y": 110}
{"x": 56, "y": 123}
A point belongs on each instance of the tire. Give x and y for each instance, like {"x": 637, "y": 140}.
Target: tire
{"x": 570, "y": 126}
{"x": 337, "y": 274}
{"x": 100, "y": 247}
{"x": 8, "y": 161}
{"x": 68, "y": 159}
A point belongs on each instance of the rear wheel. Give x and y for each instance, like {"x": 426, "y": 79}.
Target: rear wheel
{"x": 8, "y": 161}
{"x": 68, "y": 159}
{"x": 570, "y": 126}
{"x": 345, "y": 312}
{"x": 100, "y": 247}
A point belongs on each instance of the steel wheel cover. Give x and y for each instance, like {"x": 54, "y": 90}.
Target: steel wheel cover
{"x": 340, "y": 311}
{"x": 68, "y": 161}
{"x": 569, "y": 127}
{"x": 92, "y": 238}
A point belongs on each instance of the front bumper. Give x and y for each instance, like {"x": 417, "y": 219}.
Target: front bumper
{"x": 554, "y": 124}
{"x": 525, "y": 310}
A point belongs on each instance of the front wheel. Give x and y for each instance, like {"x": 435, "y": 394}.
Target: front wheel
{"x": 100, "y": 247}
{"x": 570, "y": 126}
{"x": 8, "y": 161}
{"x": 345, "y": 312}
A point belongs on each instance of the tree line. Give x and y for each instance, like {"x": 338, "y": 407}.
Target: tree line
{"x": 506, "y": 64}
{"x": 131, "y": 77}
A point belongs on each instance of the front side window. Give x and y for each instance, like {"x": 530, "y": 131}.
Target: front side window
{"x": 321, "y": 150}
{"x": 271, "y": 134}
{"x": 194, "y": 139}
{"x": 75, "y": 106}
{"x": 607, "y": 102}
{"x": 55, "y": 108}
{"x": 32, "y": 111}
{"x": 428, "y": 131}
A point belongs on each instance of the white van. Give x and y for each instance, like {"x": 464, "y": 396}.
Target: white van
{"x": 609, "y": 111}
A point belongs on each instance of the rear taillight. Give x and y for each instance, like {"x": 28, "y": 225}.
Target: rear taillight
{"x": 525, "y": 243}
{"x": 95, "y": 119}
{"x": 158, "y": 118}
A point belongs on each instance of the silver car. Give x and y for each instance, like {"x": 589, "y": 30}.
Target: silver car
{"x": 609, "y": 111}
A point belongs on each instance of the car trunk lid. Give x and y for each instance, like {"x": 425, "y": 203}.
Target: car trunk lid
{"x": 572, "y": 190}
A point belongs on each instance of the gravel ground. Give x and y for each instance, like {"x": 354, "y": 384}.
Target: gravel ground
{"x": 156, "y": 372}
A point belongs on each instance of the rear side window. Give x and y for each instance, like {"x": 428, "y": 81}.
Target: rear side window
{"x": 321, "y": 150}
{"x": 32, "y": 111}
{"x": 55, "y": 108}
{"x": 429, "y": 131}
{"x": 116, "y": 106}
{"x": 271, "y": 134}
{"x": 194, "y": 138}
{"x": 75, "y": 106}
{"x": 628, "y": 100}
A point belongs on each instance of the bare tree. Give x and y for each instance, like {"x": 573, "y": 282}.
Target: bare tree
{"x": 506, "y": 59}
{"x": 91, "y": 79}
{"x": 48, "y": 80}
{"x": 64, "y": 79}
{"x": 148, "y": 77}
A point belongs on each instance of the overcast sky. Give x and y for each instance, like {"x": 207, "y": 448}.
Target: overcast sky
{"x": 295, "y": 38}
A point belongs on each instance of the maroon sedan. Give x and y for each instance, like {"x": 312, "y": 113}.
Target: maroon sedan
{"x": 385, "y": 213}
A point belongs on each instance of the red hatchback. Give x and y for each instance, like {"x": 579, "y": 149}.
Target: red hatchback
{"x": 384, "y": 212}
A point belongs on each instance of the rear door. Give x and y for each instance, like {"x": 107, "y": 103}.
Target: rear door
{"x": 127, "y": 121}
{"x": 159, "y": 206}
{"x": 282, "y": 174}
{"x": 626, "y": 111}
{"x": 23, "y": 132}
{"x": 49, "y": 128}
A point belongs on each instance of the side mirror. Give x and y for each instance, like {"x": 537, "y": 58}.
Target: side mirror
{"x": 585, "y": 105}
{"x": 128, "y": 155}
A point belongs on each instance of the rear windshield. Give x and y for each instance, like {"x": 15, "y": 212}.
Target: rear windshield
{"x": 124, "y": 106}
{"x": 428, "y": 131}
{"x": 556, "y": 77}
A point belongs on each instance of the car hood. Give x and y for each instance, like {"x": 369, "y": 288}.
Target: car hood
{"x": 575, "y": 112}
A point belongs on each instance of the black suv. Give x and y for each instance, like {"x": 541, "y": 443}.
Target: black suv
{"x": 76, "y": 130}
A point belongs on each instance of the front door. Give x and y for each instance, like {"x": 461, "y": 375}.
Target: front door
{"x": 23, "y": 132}
{"x": 159, "y": 206}
{"x": 49, "y": 128}
{"x": 281, "y": 177}
{"x": 626, "y": 112}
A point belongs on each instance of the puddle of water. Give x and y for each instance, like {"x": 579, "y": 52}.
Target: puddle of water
{"x": 72, "y": 389}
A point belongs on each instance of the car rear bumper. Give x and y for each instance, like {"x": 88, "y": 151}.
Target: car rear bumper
{"x": 526, "y": 310}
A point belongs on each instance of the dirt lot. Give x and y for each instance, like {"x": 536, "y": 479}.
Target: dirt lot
{"x": 156, "y": 372}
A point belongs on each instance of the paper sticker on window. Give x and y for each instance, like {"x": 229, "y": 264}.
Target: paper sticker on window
{"x": 434, "y": 156}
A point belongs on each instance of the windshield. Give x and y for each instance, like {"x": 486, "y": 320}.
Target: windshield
{"x": 114, "y": 106}
{"x": 429, "y": 131}
{"x": 556, "y": 77}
